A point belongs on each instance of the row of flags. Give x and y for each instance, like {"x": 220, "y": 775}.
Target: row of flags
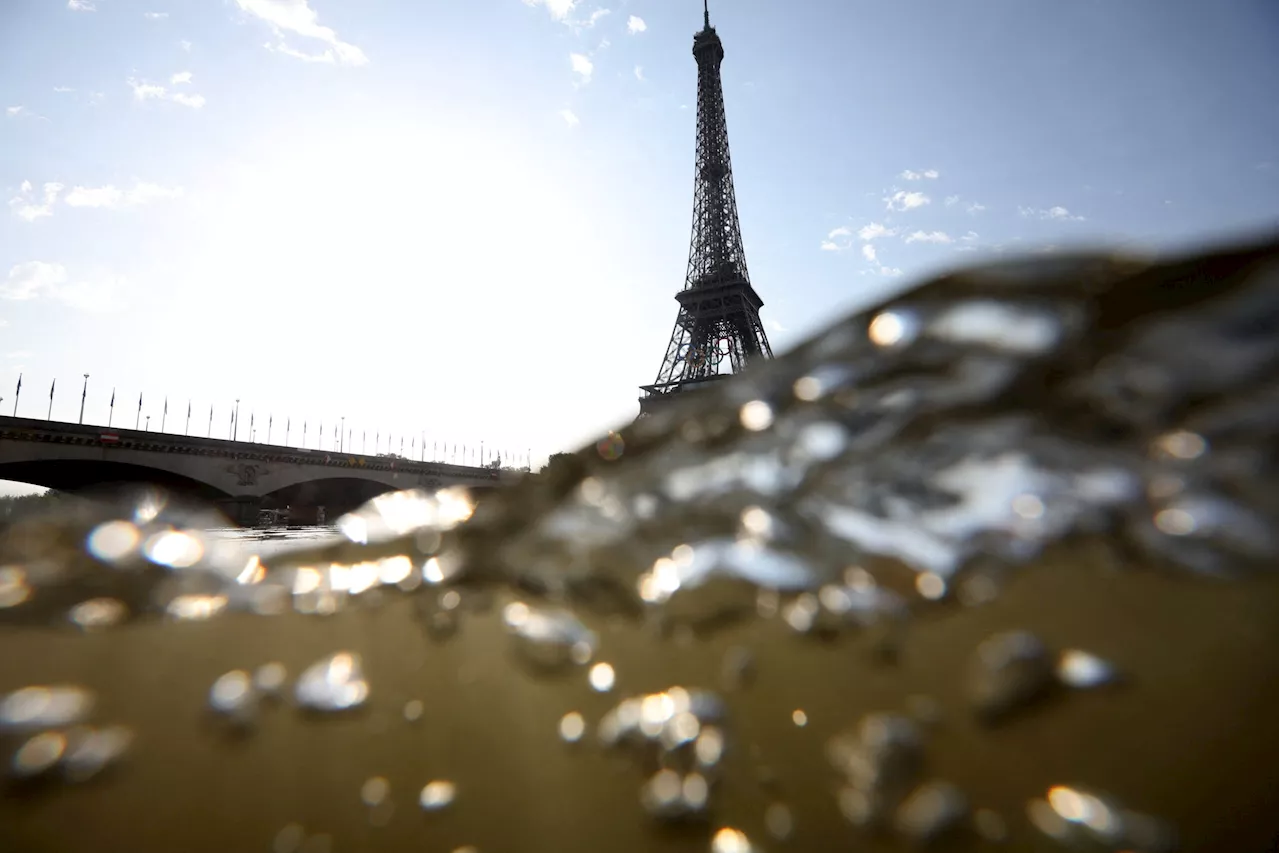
{"x": 341, "y": 443}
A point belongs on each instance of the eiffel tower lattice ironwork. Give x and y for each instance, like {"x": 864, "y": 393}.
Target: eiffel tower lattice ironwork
{"x": 719, "y": 317}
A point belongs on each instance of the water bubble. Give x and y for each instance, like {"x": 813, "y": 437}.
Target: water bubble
{"x": 661, "y": 796}
{"x": 729, "y": 840}
{"x": 739, "y": 668}
{"x": 931, "y": 810}
{"x": 374, "y": 791}
{"x": 601, "y": 677}
{"x": 13, "y": 586}
{"x": 176, "y": 549}
{"x": 990, "y": 826}
{"x": 233, "y": 694}
{"x": 1028, "y": 506}
{"x": 1181, "y": 444}
{"x": 319, "y": 843}
{"x": 1077, "y": 817}
{"x": 572, "y": 727}
{"x": 756, "y": 415}
{"x": 548, "y": 638}
{"x": 437, "y": 795}
{"x": 800, "y": 718}
{"x": 413, "y": 710}
{"x": 38, "y": 754}
{"x": 1081, "y": 669}
{"x": 822, "y": 441}
{"x": 44, "y": 707}
{"x": 1176, "y": 521}
{"x": 334, "y": 683}
{"x": 113, "y": 541}
{"x": 778, "y": 821}
{"x": 98, "y": 613}
{"x": 195, "y": 608}
{"x": 931, "y": 586}
{"x": 270, "y": 677}
{"x": 288, "y": 839}
{"x": 892, "y": 328}
{"x": 92, "y": 750}
{"x": 1007, "y": 671}
{"x": 611, "y": 447}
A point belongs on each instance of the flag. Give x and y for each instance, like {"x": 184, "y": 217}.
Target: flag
{"x": 166, "y": 404}
{"x": 113, "y": 398}
{"x": 139, "y": 402}
{"x": 51, "y": 387}
{"x": 188, "y": 408}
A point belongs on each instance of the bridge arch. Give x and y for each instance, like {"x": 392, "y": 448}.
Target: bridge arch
{"x": 87, "y": 476}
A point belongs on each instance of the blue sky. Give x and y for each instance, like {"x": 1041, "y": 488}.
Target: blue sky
{"x": 468, "y": 219}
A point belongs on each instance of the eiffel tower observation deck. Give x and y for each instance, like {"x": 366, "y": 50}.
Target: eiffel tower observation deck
{"x": 718, "y": 329}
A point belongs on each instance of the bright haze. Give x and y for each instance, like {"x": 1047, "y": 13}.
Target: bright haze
{"x": 467, "y": 220}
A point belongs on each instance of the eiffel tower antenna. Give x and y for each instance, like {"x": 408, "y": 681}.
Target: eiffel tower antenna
{"x": 718, "y": 325}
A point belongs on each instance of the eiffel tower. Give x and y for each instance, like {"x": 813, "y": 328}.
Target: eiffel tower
{"x": 719, "y": 317}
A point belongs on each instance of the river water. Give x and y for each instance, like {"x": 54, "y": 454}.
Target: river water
{"x": 992, "y": 566}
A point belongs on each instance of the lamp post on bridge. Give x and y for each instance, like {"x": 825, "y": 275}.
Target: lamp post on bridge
{"x": 235, "y": 422}
{"x": 83, "y": 391}
{"x": 342, "y": 433}
{"x": 148, "y": 423}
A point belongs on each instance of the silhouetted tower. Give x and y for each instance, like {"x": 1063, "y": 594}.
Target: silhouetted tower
{"x": 719, "y": 314}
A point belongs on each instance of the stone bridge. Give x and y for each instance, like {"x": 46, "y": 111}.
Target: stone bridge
{"x": 240, "y": 477}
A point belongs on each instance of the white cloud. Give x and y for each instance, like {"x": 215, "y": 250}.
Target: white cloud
{"x": 185, "y": 45}
{"x": 874, "y": 230}
{"x": 639, "y": 72}
{"x": 81, "y": 6}
{"x": 559, "y": 9}
{"x": 842, "y": 231}
{"x": 32, "y": 279}
{"x": 903, "y": 201}
{"x": 25, "y": 206}
{"x": 155, "y": 16}
{"x": 14, "y": 112}
{"x": 26, "y": 280}
{"x": 62, "y": 90}
{"x": 1057, "y": 212}
{"x": 975, "y": 208}
{"x": 951, "y": 200}
{"x": 297, "y": 17}
{"x": 908, "y": 175}
{"x": 569, "y": 118}
{"x": 636, "y": 25}
{"x": 113, "y": 198}
{"x": 869, "y": 252}
{"x": 180, "y": 77}
{"x": 890, "y": 271}
{"x": 929, "y": 237}
{"x": 828, "y": 246}
{"x": 970, "y": 236}
{"x": 596, "y": 16}
{"x": 144, "y": 91}
{"x": 776, "y": 326}
{"x": 581, "y": 66}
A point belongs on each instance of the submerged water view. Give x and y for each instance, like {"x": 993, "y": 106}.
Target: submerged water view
{"x": 990, "y": 566}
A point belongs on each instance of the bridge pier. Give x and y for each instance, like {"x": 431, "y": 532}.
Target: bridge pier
{"x": 241, "y": 510}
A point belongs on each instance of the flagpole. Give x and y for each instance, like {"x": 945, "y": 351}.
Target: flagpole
{"x": 83, "y": 392}
{"x": 287, "y": 422}
{"x": 270, "y": 418}
{"x": 186, "y": 430}
{"x": 209, "y": 434}
{"x": 138, "y": 418}
{"x": 16, "y": 395}
{"x": 235, "y": 423}
{"x": 164, "y": 415}
{"x": 111, "y": 410}
{"x": 52, "y": 385}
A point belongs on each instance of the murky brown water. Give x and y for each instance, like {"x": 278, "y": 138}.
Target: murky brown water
{"x": 990, "y": 567}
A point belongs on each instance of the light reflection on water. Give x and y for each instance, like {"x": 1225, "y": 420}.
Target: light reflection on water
{"x": 907, "y": 585}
